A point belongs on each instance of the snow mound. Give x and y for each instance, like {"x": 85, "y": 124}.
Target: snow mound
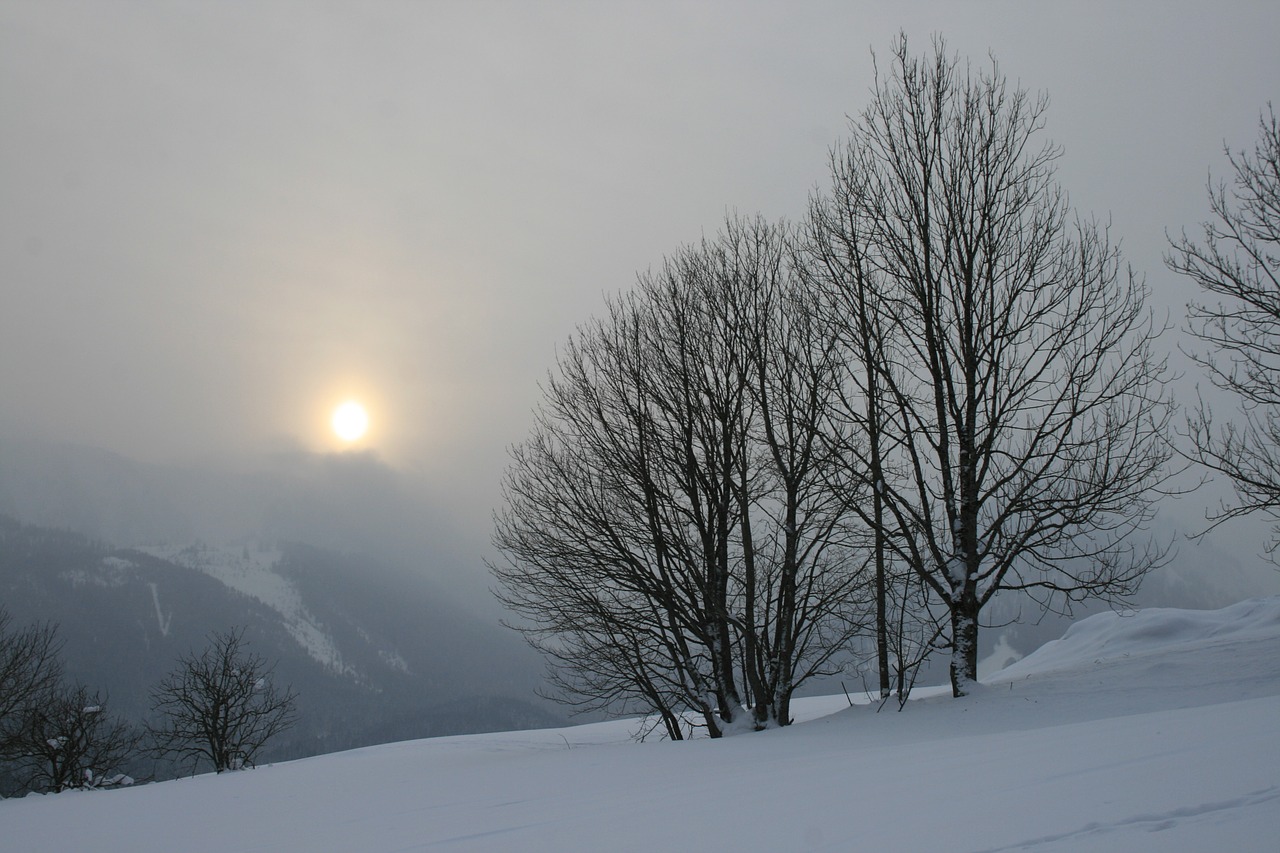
{"x": 1128, "y": 634}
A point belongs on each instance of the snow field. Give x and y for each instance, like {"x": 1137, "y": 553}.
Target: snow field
{"x": 1154, "y": 731}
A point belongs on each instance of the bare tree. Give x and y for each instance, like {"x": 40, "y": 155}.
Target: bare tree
{"x": 665, "y": 539}
{"x": 29, "y": 673}
{"x": 803, "y": 560}
{"x": 837, "y": 267}
{"x": 220, "y": 705}
{"x": 1021, "y": 407}
{"x": 70, "y": 741}
{"x": 1238, "y": 261}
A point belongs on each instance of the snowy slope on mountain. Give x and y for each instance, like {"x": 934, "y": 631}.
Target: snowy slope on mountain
{"x": 1156, "y": 731}
{"x": 414, "y": 664}
{"x": 251, "y": 570}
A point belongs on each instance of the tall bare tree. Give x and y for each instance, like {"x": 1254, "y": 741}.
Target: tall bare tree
{"x": 1021, "y": 405}
{"x": 1238, "y": 261}
{"x": 838, "y": 269}
{"x": 29, "y": 673}
{"x": 803, "y": 555}
{"x": 665, "y": 540}
{"x": 221, "y": 705}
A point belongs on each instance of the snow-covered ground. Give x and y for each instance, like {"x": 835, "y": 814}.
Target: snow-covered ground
{"x": 1154, "y": 731}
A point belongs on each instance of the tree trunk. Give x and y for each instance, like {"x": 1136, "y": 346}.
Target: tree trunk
{"x": 882, "y": 609}
{"x": 782, "y": 702}
{"x": 964, "y": 642}
{"x": 761, "y": 705}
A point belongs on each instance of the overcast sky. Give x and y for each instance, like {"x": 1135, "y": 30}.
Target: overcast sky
{"x": 218, "y": 220}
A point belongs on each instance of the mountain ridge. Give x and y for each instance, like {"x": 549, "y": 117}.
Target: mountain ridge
{"x": 373, "y": 655}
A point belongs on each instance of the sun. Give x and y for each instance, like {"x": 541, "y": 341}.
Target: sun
{"x": 350, "y": 421}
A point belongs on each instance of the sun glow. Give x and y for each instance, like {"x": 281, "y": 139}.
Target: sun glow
{"x": 350, "y": 421}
